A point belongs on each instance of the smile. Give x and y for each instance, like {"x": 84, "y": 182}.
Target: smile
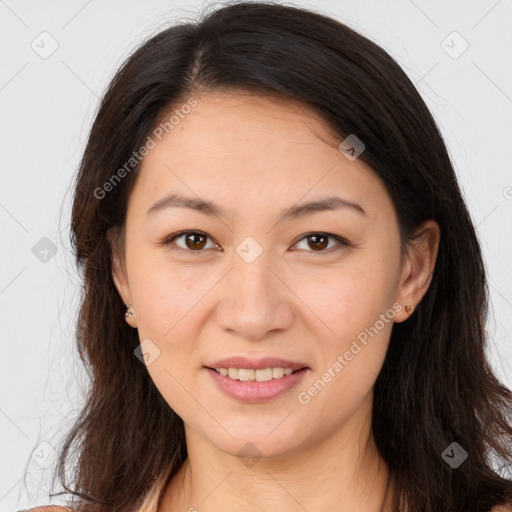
{"x": 260, "y": 375}
{"x": 244, "y": 384}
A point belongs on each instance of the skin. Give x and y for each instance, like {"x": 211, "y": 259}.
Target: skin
{"x": 254, "y": 156}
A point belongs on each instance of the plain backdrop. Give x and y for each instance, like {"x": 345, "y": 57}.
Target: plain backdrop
{"x": 56, "y": 60}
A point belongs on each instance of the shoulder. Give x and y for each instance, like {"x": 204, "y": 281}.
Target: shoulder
{"x": 51, "y": 508}
{"x": 502, "y": 508}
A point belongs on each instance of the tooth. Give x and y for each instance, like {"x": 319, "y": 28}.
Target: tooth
{"x": 263, "y": 374}
{"x": 277, "y": 372}
{"x": 246, "y": 374}
{"x": 260, "y": 375}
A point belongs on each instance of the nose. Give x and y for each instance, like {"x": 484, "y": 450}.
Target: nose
{"x": 255, "y": 300}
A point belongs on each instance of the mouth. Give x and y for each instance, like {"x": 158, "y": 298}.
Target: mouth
{"x": 257, "y": 375}
{"x": 255, "y": 385}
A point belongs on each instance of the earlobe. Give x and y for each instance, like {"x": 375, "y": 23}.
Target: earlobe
{"x": 123, "y": 290}
{"x": 121, "y": 282}
{"x": 130, "y": 316}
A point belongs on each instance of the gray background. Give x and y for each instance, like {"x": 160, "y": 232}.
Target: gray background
{"x": 47, "y": 103}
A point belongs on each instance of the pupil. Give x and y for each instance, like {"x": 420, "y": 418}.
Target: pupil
{"x": 316, "y": 238}
{"x": 192, "y": 236}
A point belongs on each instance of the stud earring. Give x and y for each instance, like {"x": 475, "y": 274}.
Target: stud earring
{"x": 408, "y": 308}
{"x": 128, "y": 312}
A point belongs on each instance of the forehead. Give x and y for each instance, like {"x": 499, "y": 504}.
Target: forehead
{"x": 246, "y": 121}
{"x": 242, "y": 145}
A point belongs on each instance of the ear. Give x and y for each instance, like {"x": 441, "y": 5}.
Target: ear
{"x": 418, "y": 267}
{"x": 119, "y": 274}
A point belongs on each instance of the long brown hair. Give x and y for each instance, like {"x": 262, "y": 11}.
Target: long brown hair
{"x": 436, "y": 386}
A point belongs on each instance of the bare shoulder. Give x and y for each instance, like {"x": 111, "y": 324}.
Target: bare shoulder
{"x": 53, "y": 508}
{"x": 502, "y": 508}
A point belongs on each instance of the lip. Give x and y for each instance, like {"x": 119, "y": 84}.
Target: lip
{"x": 254, "y": 391}
{"x": 256, "y": 364}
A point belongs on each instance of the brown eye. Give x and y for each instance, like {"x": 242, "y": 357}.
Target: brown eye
{"x": 318, "y": 242}
{"x": 194, "y": 241}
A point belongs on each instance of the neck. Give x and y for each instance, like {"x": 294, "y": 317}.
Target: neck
{"x": 343, "y": 472}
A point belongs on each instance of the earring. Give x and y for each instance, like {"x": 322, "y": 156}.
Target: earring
{"x": 408, "y": 308}
{"x": 128, "y": 312}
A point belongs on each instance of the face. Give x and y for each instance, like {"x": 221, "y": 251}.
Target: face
{"x": 320, "y": 287}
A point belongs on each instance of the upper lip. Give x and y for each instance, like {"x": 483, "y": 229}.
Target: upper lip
{"x": 256, "y": 364}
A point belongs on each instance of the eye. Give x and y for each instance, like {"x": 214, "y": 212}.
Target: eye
{"x": 194, "y": 241}
{"x": 319, "y": 242}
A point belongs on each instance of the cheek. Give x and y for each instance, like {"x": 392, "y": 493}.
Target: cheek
{"x": 174, "y": 383}
{"x": 349, "y": 365}
{"x": 354, "y": 317}
{"x": 166, "y": 293}
{"x": 344, "y": 301}
{"x": 167, "y": 306}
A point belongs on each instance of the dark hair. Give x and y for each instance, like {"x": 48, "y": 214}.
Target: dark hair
{"x": 436, "y": 385}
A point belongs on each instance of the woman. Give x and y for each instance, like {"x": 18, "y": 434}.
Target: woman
{"x": 284, "y": 295}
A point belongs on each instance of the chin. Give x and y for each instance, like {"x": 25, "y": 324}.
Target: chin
{"x": 256, "y": 443}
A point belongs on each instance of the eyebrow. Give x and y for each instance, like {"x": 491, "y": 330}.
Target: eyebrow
{"x": 293, "y": 212}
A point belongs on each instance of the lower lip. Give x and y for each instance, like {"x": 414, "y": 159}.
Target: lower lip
{"x": 254, "y": 391}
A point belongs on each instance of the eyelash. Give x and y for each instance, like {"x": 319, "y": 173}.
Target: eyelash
{"x": 342, "y": 242}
